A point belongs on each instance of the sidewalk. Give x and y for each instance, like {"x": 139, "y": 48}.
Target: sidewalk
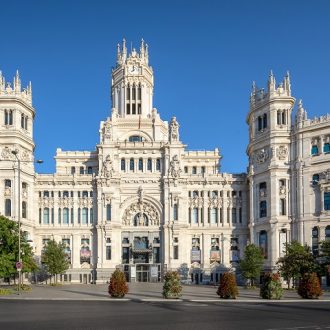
{"x": 148, "y": 292}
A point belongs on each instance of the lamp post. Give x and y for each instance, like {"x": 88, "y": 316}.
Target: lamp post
{"x": 19, "y": 265}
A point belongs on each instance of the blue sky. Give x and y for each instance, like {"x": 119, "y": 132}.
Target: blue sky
{"x": 205, "y": 55}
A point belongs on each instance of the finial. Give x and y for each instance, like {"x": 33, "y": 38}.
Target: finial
{"x": 142, "y": 48}
{"x": 300, "y": 105}
{"x": 124, "y": 46}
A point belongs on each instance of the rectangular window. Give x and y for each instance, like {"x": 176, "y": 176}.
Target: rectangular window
{"x": 59, "y": 215}
{"x": 24, "y": 210}
{"x": 79, "y": 215}
{"x": 65, "y": 216}
{"x": 214, "y": 215}
{"x": 85, "y": 193}
{"x": 156, "y": 255}
{"x": 240, "y": 215}
{"x": 52, "y": 215}
{"x": 108, "y": 252}
{"x": 327, "y": 201}
{"x": 108, "y": 212}
{"x": 128, "y": 108}
{"x": 326, "y": 148}
{"x": 72, "y": 215}
{"x": 228, "y": 214}
{"x": 84, "y": 216}
{"x": 176, "y": 252}
{"x": 234, "y": 215}
{"x": 65, "y": 194}
{"x": 91, "y": 215}
{"x": 73, "y": 170}
{"x": 315, "y": 150}
{"x": 175, "y": 212}
{"x": 46, "y": 216}
{"x": 8, "y": 207}
{"x": 282, "y": 206}
{"x": 263, "y": 209}
{"x": 221, "y": 216}
{"x": 195, "y": 215}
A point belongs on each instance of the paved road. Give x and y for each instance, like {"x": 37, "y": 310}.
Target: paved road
{"x": 19, "y": 314}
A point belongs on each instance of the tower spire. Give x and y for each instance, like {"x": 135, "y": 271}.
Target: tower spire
{"x": 124, "y": 51}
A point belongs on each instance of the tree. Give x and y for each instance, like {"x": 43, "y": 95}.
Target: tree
{"x": 297, "y": 261}
{"x": 252, "y": 263}
{"x": 55, "y": 258}
{"x": 228, "y": 287}
{"x": 9, "y": 250}
{"x": 118, "y": 287}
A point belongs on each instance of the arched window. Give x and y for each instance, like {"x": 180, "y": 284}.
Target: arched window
{"x": 195, "y": 193}
{"x": 123, "y": 164}
{"x": 158, "y": 164}
{"x": 136, "y": 138}
{"x": 175, "y": 212}
{"x": 194, "y": 170}
{"x": 149, "y": 164}
{"x": 134, "y": 92}
{"x": 140, "y": 164}
{"x": 8, "y": 207}
{"x": 263, "y": 209}
{"x": 128, "y": 92}
{"x": 131, "y": 164}
{"x": 24, "y": 210}
{"x": 65, "y": 216}
{"x": 46, "y": 216}
{"x": 139, "y": 93}
{"x": 263, "y": 243}
{"x": 89, "y": 170}
{"x": 327, "y": 201}
{"x": 315, "y": 241}
{"x": 81, "y": 170}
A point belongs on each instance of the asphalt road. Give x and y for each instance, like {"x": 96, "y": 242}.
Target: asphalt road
{"x": 162, "y": 315}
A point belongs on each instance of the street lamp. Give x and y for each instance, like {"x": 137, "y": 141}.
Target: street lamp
{"x": 19, "y": 265}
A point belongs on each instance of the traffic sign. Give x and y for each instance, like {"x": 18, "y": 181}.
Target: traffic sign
{"x": 19, "y": 266}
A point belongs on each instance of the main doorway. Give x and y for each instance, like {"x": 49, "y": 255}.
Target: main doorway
{"x": 142, "y": 273}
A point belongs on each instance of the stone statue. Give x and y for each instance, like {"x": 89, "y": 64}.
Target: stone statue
{"x": 175, "y": 169}
{"x": 174, "y": 130}
{"x": 107, "y": 169}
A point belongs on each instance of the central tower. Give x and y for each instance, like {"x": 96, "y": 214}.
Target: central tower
{"x": 132, "y": 82}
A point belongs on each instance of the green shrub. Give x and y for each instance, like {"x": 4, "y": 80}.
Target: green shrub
{"x": 5, "y": 292}
{"x": 309, "y": 286}
{"x": 172, "y": 286}
{"x": 118, "y": 286}
{"x": 228, "y": 287}
{"x": 271, "y": 287}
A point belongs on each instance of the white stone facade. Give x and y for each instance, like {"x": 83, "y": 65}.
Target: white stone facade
{"x": 143, "y": 202}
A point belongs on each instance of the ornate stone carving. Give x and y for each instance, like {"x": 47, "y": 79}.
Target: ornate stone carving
{"x": 282, "y": 152}
{"x": 141, "y": 214}
{"x": 261, "y": 156}
{"x": 5, "y": 154}
{"x": 175, "y": 169}
{"x": 25, "y": 156}
{"x": 107, "y": 131}
{"x": 107, "y": 168}
{"x": 174, "y": 130}
{"x": 325, "y": 175}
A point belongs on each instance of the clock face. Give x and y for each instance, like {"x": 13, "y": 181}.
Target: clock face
{"x": 133, "y": 69}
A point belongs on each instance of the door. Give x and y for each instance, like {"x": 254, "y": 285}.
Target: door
{"x": 142, "y": 273}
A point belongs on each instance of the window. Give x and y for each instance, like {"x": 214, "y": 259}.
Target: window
{"x": 8, "y": 117}
{"x": 141, "y": 164}
{"x": 259, "y": 123}
{"x": 84, "y": 216}
{"x": 8, "y": 207}
{"x": 282, "y": 206}
{"x": 91, "y": 215}
{"x": 85, "y": 193}
{"x": 149, "y": 164}
{"x": 283, "y": 117}
{"x": 326, "y": 148}
{"x": 158, "y": 164}
{"x": 123, "y": 164}
{"x": 240, "y": 215}
{"x": 131, "y": 164}
{"x": 315, "y": 179}
{"x": 136, "y": 138}
{"x": 65, "y": 216}
{"x": 327, "y": 233}
{"x": 195, "y": 215}
{"x": 139, "y": 93}
{"x": 175, "y": 252}
{"x": 263, "y": 209}
{"x": 128, "y": 108}
{"x": 24, "y": 185}
{"x": 81, "y": 170}
{"x": 59, "y": 215}
{"x": 72, "y": 215}
{"x": 24, "y": 210}
{"x": 133, "y": 107}
{"x": 185, "y": 169}
{"x": 52, "y": 214}
{"x": 282, "y": 183}
{"x": 262, "y": 185}
{"x": 108, "y": 212}
{"x": 8, "y": 183}
{"x": 233, "y": 215}
{"x": 315, "y": 150}
{"x": 214, "y": 194}
{"x": 79, "y": 215}
{"x": 265, "y": 121}
{"x": 90, "y": 194}
{"x": 128, "y": 92}
{"x": 203, "y": 169}
{"x": 73, "y": 170}
{"x": 108, "y": 252}
{"x": 194, "y": 170}
{"x": 214, "y": 215}
{"x": 315, "y": 241}
{"x": 89, "y": 170}
{"x": 46, "y": 193}
{"x": 175, "y": 212}
{"x": 327, "y": 201}
{"x": 263, "y": 243}
{"x": 46, "y": 216}
{"x": 65, "y": 194}
{"x": 279, "y": 117}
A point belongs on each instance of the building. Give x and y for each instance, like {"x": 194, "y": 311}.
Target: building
{"x": 143, "y": 202}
